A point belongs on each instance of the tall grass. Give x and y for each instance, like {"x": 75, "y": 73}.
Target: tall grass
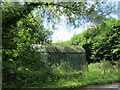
{"x": 99, "y": 73}
{"x": 63, "y": 75}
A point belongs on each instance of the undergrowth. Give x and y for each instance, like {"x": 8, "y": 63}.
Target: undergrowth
{"x": 64, "y": 76}
{"x": 98, "y": 73}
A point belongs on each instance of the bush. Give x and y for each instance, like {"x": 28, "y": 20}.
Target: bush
{"x": 100, "y": 42}
{"x": 26, "y": 71}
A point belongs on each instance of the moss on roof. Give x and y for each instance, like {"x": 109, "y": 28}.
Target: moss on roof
{"x": 57, "y": 49}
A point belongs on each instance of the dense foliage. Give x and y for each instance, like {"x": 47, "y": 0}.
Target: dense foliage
{"x": 101, "y": 42}
{"x": 23, "y": 25}
{"x": 20, "y": 30}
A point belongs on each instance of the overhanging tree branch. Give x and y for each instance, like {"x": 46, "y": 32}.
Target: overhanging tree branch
{"x": 26, "y": 9}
